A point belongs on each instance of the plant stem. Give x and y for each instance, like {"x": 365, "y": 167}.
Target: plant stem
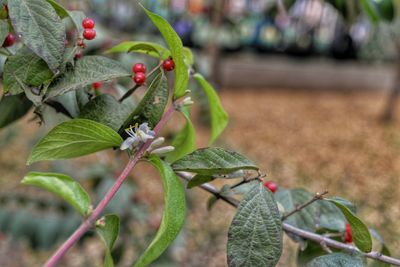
{"x": 316, "y": 197}
{"x": 330, "y": 243}
{"x": 90, "y": 221}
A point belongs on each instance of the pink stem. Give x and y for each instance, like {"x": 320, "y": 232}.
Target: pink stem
{"x": 89, "y": 222}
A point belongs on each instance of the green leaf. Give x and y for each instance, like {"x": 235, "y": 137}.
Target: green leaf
{"x": 175, "y": 45}
{"x": 361, "y": 235}
{"x": 106, "y": 110}
{"x": 370, "y": 10}
{"x": 321, "y": 213}
{"x": 173, "y": 217}
{"x": 41, "y": 29}
{"x": 74, "y": 138}
{"x": 151, "y": 107}
{"x": 12, "y": 108}
{"x": 213, "y": 160}
{"x": 219, "y": 117}
{"x": 108, "y": 230}
{"x": 148, "y": 48}
{"x": 3, "y": 30}
{"x": 311, "y": 251}
{"x": 387, "y": 9}
{"x": 63, "y": 186}
{"x": 60, "y": 10}
{"x": 75, "y": 16}
{"x": 189, "y": 58}
{"x": 87, "y": 70}
{"x": 185, "y": 140}
{"x": 28, "y": 68}
{"x": 199, "y": 180}
{"x": 336, "y": 259}
{"x": 255, "y": 235}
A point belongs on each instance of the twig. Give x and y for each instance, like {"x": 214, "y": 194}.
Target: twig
{"x": 128, "y": 93}
{"x": 89, "y": 222}
{"x": 316, "y": 197}
{"x": 300, "y": 232}
{"x": 247, "y": 180}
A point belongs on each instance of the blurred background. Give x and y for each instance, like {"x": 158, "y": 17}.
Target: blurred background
{"x": 312, "y": 97}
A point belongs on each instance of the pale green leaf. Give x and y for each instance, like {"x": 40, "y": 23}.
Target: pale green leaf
{"x": 108, "y": 230}
{"x": 28, "y": 68}
{"x": 175, "y": 46}
{"x": 361, "y": 235}
{"x": 12, "y": 108}
{"x": 173, "y": 217}
{"x": 41, "y": 29}
{"x": 213, "y": 160}
{"x": 337, "y": 260}
{"x": 87, "y": 70}
{"x": 255, "y": 235}
{"x": 185, "y": 140}
{"x": 219, "y": 117}
{"x": 148, "y": 48}
{"x": 63, "y": 186}
{"x": 3, "y": 30}
{"x": 370, "y": 10}
{"x": 189, "y": 58}
{"x": 152, "y": 106}
{"x": 74, "y": 138}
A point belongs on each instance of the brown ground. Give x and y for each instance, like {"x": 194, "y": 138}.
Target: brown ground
{"x": 317, "y": 140}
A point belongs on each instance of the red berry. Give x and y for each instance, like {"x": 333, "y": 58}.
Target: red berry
{"x": 271, "y": 186}
{"x": 348, "y": 237}
{"x": 10, "y": 39}
{"x": 139, "y": 67}
{"x": 88, "y": 23}
{"x": 96, "y": 85}
{"x": 139, "y": 78}
{"x": 168, "y": 64}
{"x": 81, "y": 43}
{"x": 78, "y": 55}
{"x": 89, "y": 34}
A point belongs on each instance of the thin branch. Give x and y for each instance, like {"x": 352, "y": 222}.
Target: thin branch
{"x": 128, "y": 93}
{"x": 90, "y": 221}
{"x": 317, "y": 196}
{"x": 300, "y": 232}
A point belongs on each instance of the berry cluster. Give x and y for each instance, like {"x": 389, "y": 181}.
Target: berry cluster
{"x": 140, "y": 73}
{"x": 89, "y": 33}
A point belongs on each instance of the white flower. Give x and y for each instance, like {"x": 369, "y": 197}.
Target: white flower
{"x": 137, "y": 136}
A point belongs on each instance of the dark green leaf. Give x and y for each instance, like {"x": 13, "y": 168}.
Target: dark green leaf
{"x": 211, "y": 202}
{"x": 219, "y": 117}
{"x": 173, "y": 217}
{"x": 74, "y": 138}
{"x": 320, "y": 214}
{"x": 255, "y": 235}
{"x": 370, "y": 10}
{"x": 28, "y": 68}
{"x": 60, "y": 10}
{"x": 176, "y": 48}
{"x": 108, "y": 230}
{"x": 148, "y": 48}
{"x": 213, "y": 160}
{"x": 337, "y": 260}
{"x": 311, "y": 251}
{"x": 106, "y": 110}
{"x": 3, "y": 30}
{"x": 361, "y": 236}
{"x": 387, "y": 9}
{"x": 12, "y": 108}
{"x": 185, "y": 140}
{"x": 63, "y": 186}
{"x": 199, "y": 180}
{"x": 87, "y": 70}
{"x": 151, "y": 107}
{"x": 41, "y": 29}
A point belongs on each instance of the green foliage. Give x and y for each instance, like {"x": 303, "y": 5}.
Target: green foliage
{"x": 151, "y": 107}
{"x": 361, "y": 236}
{"x": 148, "y": 48}
{"x": 174, "y": 213}
{"x": 185, "y": 140}
{"x": 63, "y": 186}
{"x": 338, "y": 260}
{"x": 28, "y": 68}
{"x": 86, "y": 71}
{"x": 41, "y": 29}
{"x": 255, "y": 235}
{"x": 219, "y": 117}
{"x": 369, "y": 9}
{"x": 12, "y": 108}
{"x": 106, "y": 110}
{"x": 213, "y": 160}
{"x": 3, "y": 30}
{"x": 74, "y": 138}
{"x": 386, "y": 9}
{"x": 108, "y": 229}
{"x": 175, "y": 45}
{"x": 321, "y": 213}
{"x": 311, "y": 251}
{"x": 199, "y": 180}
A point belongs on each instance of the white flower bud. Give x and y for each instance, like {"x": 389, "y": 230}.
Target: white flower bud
{"x": 162, "y": 150}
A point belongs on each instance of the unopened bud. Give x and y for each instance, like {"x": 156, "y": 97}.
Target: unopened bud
{"x": 162, "y": 150}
